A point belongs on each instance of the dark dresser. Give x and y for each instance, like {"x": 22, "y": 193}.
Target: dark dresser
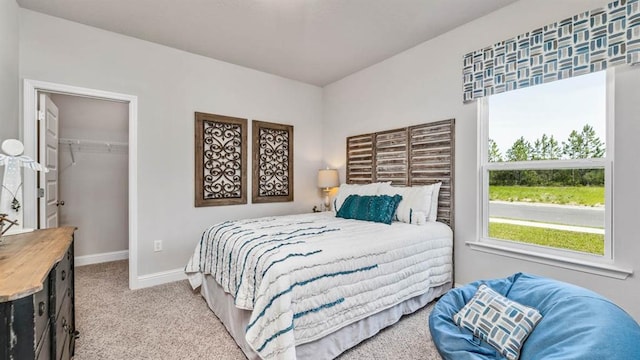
{"x": 37, "y": 313}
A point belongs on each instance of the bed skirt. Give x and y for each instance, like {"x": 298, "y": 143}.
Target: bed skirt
{"x": 328, "y": 347}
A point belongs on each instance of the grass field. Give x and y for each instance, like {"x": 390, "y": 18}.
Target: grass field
{"x": 563, "y": 195}
{"x": 584, "y": 242}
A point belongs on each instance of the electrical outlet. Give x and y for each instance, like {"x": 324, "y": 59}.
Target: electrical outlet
{"x": 157, "y": 245}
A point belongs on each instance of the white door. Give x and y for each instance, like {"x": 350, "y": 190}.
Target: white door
{"x": 48, "y": 201}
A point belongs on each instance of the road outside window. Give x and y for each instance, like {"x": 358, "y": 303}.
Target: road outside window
{"x": 546, "y": 166}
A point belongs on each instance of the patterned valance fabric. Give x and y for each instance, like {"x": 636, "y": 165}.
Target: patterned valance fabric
{"x": 585, "y": 43}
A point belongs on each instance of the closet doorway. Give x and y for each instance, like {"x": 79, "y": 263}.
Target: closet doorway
{"x": 92, "y": 148}
{"x": 92, "y": 174}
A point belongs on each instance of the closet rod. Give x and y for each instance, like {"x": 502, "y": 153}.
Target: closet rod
{"x": 90, "y": 142}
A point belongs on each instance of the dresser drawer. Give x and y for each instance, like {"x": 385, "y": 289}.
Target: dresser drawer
{"x": 41, "y": 311}
{"x": 43, "y": 352}
{"x": 65, "y": 354}
{"x": 63, "y": 274}
{"x": 63, "y": 326}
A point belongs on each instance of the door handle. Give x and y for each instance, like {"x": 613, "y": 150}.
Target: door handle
{"x": 60, "y": 203}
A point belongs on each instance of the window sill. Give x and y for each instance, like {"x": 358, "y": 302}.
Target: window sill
{"x": 553, "y": 260}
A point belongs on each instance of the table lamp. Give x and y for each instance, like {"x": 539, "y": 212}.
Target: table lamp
{"x": 327, "y": 179}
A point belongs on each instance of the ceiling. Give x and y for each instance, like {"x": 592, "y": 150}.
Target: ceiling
{"x": 313, "y": 41}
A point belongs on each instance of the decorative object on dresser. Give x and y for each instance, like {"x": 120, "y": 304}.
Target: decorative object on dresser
{"x": 272, "y": 162}
{"x": 11, "y": 192}
{"x": 4, "y": 218}
{"x": 221, "y": 160}
{"x": 328, "y": 179}
{"x": 37, "y": 308}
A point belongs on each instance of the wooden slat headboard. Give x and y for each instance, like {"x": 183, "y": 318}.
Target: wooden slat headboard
{"x": 360, "y": 159}
{"x": 415, "y": 155}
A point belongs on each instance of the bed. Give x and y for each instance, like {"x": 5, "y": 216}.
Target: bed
{"x": 311, "y": 286}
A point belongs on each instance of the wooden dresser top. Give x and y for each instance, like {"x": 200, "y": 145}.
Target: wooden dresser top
{"x": 26, "y": 260}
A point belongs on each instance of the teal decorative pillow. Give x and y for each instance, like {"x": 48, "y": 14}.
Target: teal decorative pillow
{"x": 503, "y": 323}
{"x": 354, "y": 189}
{"x": 370, "y": 208}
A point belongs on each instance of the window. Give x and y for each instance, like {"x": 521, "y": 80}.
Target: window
{"x": 545, "y": 157}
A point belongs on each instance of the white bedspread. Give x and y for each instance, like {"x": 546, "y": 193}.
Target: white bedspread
{"x": 306, "y": 276}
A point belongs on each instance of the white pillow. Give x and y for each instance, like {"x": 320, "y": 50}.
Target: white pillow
{"x": 354, "y": 189}
{"x": 415, "y": 205}
{"x": 433, "y": 213}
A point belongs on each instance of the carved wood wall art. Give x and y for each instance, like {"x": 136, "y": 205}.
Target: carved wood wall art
{"x": 272, "y": 162}
{"x": 415, "y": 155}
{"x": 220, "y": 159}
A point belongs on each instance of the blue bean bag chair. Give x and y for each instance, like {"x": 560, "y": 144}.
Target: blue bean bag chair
{"x": 576, "y": 323}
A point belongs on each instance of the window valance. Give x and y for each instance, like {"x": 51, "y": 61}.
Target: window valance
{"x": 585, "y": 43}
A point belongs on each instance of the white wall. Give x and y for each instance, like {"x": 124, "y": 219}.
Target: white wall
{"x": 424, "y": 84}
{"x": 95, "y": 188}
{"x": 8, "y": 69}
{"x": 171, "y": 85}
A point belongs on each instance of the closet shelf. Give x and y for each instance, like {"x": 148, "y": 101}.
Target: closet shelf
{"x": 81, "y": 145}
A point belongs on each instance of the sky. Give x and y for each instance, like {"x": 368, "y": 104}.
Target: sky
{"x": 555, "y": 108}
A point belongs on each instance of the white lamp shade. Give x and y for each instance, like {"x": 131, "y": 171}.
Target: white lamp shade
{"x": 328, "y": 178}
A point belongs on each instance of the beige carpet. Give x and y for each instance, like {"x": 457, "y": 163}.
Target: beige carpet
{"x": 172, "y": 322}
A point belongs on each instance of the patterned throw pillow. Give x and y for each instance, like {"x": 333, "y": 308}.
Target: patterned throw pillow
{"x": 370, "y": 208}
{"x": 355, "y": 189}
{"x": 503, "y": 323}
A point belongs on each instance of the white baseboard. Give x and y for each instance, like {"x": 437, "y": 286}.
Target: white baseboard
{"x": 456, "y": 285}
{"x": 101, "y": 258}
{"x": 159, "y": 278}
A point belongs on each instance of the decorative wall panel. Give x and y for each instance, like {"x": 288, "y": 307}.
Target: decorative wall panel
{"x": 360, "y": 159}
{"x": 585, "y": 43}
{"x": 272, "y": 162}
{"x": 417, "y": 155}
{"x": 220, "y": 160}
{"x": 392, "y": 156}
{"x": 431, "y": 156}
